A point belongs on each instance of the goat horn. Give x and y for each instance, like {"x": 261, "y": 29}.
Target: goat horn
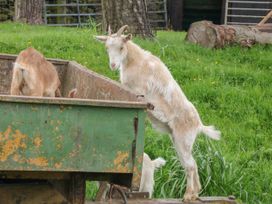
{"x": 109, "y": 30}
{"x": 121, "y": 30}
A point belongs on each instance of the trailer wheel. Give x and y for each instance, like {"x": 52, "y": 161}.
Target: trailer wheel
{"x": 77, "y": 187}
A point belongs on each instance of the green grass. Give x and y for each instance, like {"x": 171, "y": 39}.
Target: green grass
{"x": 231, "y": 88}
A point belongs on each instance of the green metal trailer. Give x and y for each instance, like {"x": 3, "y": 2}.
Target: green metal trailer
{"x": 97, "y": 136}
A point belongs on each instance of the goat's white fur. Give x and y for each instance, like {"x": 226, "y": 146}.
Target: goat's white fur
{"x": 147, "y": 180}
{"x": 148, "y": 170}
{"x": 145, "y": 74}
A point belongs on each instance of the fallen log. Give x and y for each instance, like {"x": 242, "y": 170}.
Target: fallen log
{"x": 207, "y": 34}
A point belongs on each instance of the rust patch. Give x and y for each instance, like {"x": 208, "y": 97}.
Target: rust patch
{"x": 58, "y": 146}
{"x": 120, "y": 162}
{"x": 136, "y": 176}
{"x": 137, "y": 173}
{"x": 7, "y": 132}
{"x": 59, "y": 122}
{"x": 39, "y": 161}
{"x": 37, "y": 141}
{"x": 11, "y": 142}
{"x": 16, "y": 158}
{"x": 76, "y": 151}
{"x": 140, "y": 160}
{"x": 34, "y": 109}
{"x": 58, "y": 165}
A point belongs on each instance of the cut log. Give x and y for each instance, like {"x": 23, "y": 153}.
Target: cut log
{"x": 207, "y": 34}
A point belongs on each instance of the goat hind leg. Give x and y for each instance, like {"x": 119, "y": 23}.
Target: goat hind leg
{"x": 17, "y": 81}
{"x": 183, "y": 144}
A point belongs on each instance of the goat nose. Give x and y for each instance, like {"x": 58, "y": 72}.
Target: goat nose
{"x": 113, "y": 65}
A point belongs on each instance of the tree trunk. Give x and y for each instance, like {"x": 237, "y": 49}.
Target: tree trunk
{"x": 207, "y": 34}
{"x": 175, "y": 11}
{"x": 29, "y": 11}
{"x": 126, "y": 12}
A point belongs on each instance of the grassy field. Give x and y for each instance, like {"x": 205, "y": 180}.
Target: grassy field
{"x": 231, "y": 88}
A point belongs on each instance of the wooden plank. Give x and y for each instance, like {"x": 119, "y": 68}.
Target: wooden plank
{"x": 265, "y": 27}
{"x": 240, "y": 23}
{"x": 202, "y": 200}
{"x": 269, "y": 15}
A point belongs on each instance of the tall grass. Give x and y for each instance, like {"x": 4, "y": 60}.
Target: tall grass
{"x": 231, "y": 88}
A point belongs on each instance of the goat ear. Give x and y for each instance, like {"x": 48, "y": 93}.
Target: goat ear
{"x": 101, "y": 38}
{"x": 128, "y": 37}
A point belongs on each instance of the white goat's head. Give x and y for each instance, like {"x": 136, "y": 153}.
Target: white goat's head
{"x": 116, "y": 46}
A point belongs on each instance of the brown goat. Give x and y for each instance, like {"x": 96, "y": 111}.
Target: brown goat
{"x": 33, "y": 75}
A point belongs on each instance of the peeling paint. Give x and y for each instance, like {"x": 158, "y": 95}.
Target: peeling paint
{"x": 136, "y": 174}
{"x": 58, "y": 165}
{"x": 38, "y": 161}
{"x": 58, "y": 146}
{"x": 59, "y": 122}
{"x": 11, "y": 142}
{"x": 16, "y": 157}
{"x": 120, "y": 162}
{"x": 37, "y": 141}
{"x": 33, "y": 108}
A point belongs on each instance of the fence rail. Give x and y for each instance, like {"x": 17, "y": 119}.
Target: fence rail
{"x": 74, "y": 14}
{"x": 238, "y": 12}
{"x": 71, "y": 14}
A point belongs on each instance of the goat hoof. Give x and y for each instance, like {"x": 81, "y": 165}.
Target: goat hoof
{"x": 188, "y": 197}
{"x": 150, "y": 106}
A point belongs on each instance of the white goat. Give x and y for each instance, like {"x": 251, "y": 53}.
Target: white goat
{"x": 147, "y": 179}
{"x": 145, "y": 74}
{"x": 148, "y": 170}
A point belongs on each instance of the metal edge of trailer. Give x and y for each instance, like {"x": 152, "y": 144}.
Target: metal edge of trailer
{"x": 74, "y": 101}
{"x": 13, "y": 57}
{"x": 79, "y": 67}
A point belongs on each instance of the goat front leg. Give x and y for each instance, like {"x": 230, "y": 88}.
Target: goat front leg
{"x": 150, "y": 106}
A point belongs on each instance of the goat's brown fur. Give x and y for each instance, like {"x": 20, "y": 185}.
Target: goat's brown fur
{"x": 33, "y": 75}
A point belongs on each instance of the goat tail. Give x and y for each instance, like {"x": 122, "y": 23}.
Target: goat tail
{"x": 211, "y": 132}
{"x": 17, "y": 65}
{"x": 158, "y": 163}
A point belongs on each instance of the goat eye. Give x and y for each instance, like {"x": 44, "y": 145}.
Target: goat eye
{"x": 121, "y": 48}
